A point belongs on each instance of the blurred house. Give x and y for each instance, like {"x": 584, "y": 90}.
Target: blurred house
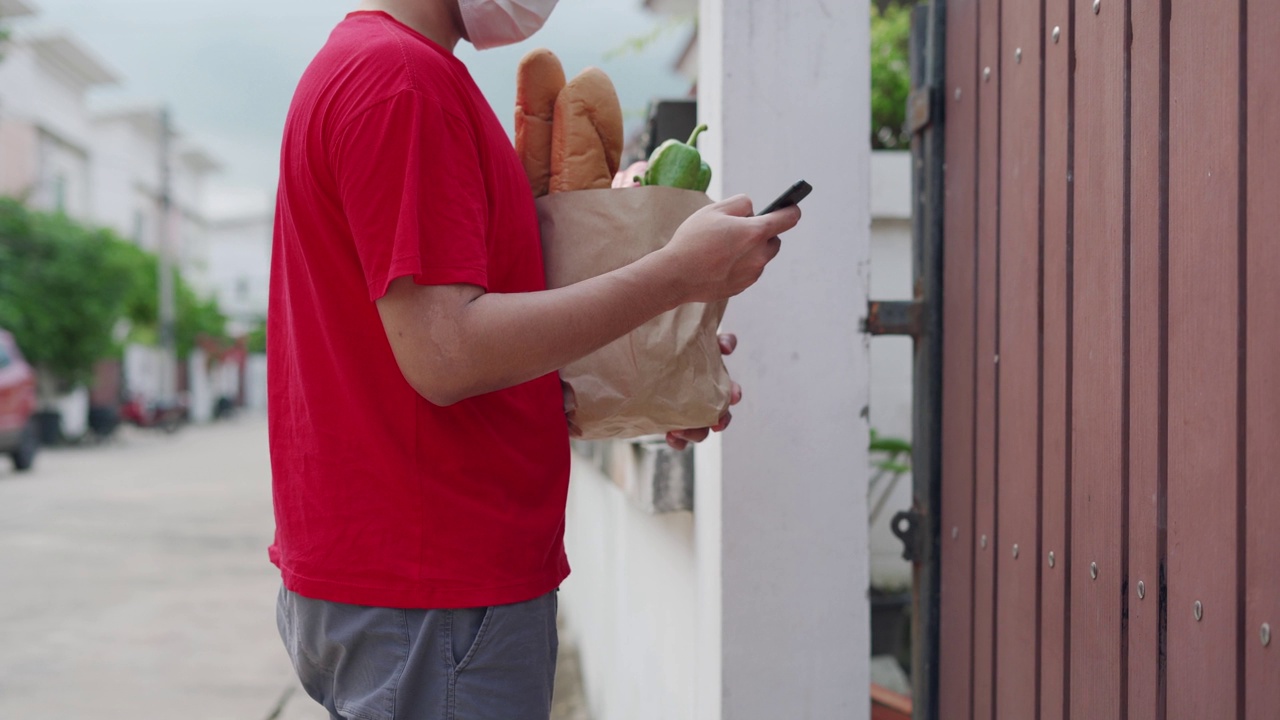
{"x": 98, "y": 168}
{"x": 238, "y": 261}
{"x": 127, "y": 184}
{"x": 47, "y": 135}
{"x": 107, "y": 168}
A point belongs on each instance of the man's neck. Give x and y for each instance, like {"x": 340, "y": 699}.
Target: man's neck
{"x": 438, "y": 20}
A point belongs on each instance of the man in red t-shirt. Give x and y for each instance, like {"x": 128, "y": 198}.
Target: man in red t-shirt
{"x": 419, "y": 446}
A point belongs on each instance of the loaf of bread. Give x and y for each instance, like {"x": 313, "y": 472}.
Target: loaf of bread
{"x": 586, "y": 137}
{"x": 539, "y": 81}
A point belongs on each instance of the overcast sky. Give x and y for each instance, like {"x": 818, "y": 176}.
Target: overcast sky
{"x": 228, "y": 67}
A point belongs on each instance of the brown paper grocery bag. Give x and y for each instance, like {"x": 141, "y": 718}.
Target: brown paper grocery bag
{"x": 668, "y": 374}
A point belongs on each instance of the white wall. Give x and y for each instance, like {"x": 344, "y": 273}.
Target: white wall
{"x": 194, "y": 246}
{"x": 210, "y": 382}
{"x": 30, "y": 90}
{"x": 201, "y": 395}
{"x": 109, "y": 164}
{"x": 126, "y": 180}
{"x": 64, "y": 182}
{"x": 782, "y": 537}
{"x": 238, "y": 267}
{"x": 19, "y": 157}
{"x": 144, "y": 371}
{"x": 755, "y": 606}
{"x": 631, "y": 601}
{"x": 891, "y": 357}
{"x": 46, "y": 133}
{"x": 255, "y": 383}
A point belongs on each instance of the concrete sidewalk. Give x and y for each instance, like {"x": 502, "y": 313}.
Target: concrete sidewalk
{"x": 134, "y": 583}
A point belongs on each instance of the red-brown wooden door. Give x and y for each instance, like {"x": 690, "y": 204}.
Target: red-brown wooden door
{"x": 1110, "y": 424}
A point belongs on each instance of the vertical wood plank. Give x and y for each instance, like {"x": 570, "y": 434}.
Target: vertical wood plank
{"x": 987, "y": 559}
{"x": 1204, "y": 106}
{"x": 1098, "y": 384}
{"x": 1262, "y": 506}
{"x": 1017, "y": 590}
{"x": 955, "y": 642}
{"x": 1145, "y": 466}
{"x": 1057, "y": 122}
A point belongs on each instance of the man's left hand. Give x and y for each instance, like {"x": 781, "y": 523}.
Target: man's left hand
{"x": 680, "y": 439}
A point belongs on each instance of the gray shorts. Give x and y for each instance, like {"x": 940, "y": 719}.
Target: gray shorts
{"x": 496, "y": 663}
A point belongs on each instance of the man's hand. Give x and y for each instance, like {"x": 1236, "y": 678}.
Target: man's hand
{"x": 454, "y": 342}
{"x": 680, "y": 439}
{"x": 722, "y": 249}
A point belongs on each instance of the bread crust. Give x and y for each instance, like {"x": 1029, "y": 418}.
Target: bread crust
{"x": 539, "y": 81}
{"x": 587, "y": 134}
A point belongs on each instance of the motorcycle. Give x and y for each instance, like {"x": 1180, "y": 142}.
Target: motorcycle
{"x": 155, "y": 414}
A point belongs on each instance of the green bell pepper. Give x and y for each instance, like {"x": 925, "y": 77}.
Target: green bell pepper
{"x": 679, "y": 165}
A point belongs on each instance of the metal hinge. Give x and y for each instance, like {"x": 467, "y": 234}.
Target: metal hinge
{"x": 894, "y": 317}
{"x": 922, "y": 103}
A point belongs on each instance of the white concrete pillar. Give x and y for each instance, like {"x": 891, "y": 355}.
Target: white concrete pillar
{"x": 781, "y": 498}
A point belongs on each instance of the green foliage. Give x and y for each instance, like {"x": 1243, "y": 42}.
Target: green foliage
{"x": 890, "y": 65}
{"x": 890, "y": 75}
{"x": 65, "y": 288}
{"x": 891, "y": 458}
{"x": 256, "y": 341}
{"x": 194, "y": 317}
{"x": 62, "y": 290}
{"x": 890, "y": 454}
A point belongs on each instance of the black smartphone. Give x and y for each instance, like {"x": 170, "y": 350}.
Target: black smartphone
{"x": 793, "y": 196}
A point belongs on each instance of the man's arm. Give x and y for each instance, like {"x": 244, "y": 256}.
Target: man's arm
{"x": 454, "y": 342}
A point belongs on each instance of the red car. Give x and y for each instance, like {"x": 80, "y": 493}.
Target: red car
{"x": 18, "y": 437}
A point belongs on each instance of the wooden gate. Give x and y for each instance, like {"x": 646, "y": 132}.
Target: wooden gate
{"x": 1110, "y": 457}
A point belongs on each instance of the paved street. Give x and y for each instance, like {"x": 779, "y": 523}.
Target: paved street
{"x": 134, "y": 582}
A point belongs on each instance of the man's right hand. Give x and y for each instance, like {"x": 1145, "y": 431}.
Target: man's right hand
{"x": 722, "y": 249}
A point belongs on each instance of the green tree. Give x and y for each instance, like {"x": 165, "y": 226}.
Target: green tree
{"x": 196, "y": 318}
{"x": 62, "y": 290}
{"x": 890, "y": 75}
{"x": 256, "y": 342}
{"x": 193, "y": 317}
{"x": 66, "y": 287}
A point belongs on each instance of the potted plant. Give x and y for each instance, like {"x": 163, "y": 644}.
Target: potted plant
{"x": 890, "y": 607}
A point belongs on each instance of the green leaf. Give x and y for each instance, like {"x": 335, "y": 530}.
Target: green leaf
{"x": 65, "y": 287}
{"x": 893, "y": 468}
{"x": 257, "y": 339}
{"x": 891, "y": 445}
{"x": 890, "y": 75}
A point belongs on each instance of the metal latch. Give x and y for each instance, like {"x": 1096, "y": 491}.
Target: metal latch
{"x": 894, "y": 317}
{"x": 906, "y": 525}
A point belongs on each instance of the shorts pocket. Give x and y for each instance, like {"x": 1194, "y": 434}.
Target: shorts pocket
{"x": 466, "y": 633}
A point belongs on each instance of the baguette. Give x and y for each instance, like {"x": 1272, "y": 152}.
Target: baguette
{"x": 586, "y": 137}
{"x": 539, "y": 81}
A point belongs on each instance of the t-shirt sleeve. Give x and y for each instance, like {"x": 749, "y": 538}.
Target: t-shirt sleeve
{"x": 408, "y": 173}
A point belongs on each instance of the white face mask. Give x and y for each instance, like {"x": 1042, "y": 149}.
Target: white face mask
{"x": 494, "y": 23}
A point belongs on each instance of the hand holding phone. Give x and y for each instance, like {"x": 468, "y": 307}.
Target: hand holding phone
{"x": 791, "y": 197}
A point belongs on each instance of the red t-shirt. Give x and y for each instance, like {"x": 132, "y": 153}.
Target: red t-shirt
{"x": 394, "y": 165}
